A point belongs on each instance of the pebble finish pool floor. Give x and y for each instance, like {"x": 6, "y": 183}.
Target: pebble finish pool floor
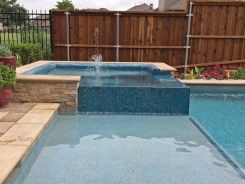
{"x": 22, "y": 124}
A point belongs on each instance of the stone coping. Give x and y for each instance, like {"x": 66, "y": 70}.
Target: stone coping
{"x": 213, "y": 82}
{"x": 22, "y": 69}
{"x": 47, "y": 78}
{"x": 68, "y": 79}
{"x": 42, "y": 78}
{"x": 23, "y": 133}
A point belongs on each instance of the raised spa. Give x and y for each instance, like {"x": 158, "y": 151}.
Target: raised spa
{"x": 123, "y": 88}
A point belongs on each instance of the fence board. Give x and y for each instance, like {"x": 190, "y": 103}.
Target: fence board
{"x": 133, "y": 36}
{"x": 83, "y": 36}
{"x": 124, "y": 38}
{"x": 106, "y": 28}
{"x": 210, "y": 30}
{"x": 221, "y": 31}
{"x": 243, "y": 46}
{"x": 141, "y": 37}
{"x": 196, "y": 30}
{"x": 215, "y": 32}
{"x": 158, "y": 38}
{"x": 202, "y": 55}
{"x": 238, "y": 31}
{"x": 230, "y": 31}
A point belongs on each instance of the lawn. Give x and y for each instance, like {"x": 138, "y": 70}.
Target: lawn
{"x": 30, "y": 36}
{"x": 10, "y": 38}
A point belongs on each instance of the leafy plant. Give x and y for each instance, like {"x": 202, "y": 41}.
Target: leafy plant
{"x": 198, "y": 70}
{"x": 239, "y": 74}
{"x": 7, "y": 76}
{"x": 65, "y": 5}
{"x": 36, "y": 35}
{"x": 5, "y": 51}
{"x": 9, "y": 10}
{"x": 193, "y": 75}
{"x": 27, "y": 51}
{"x": 18, "y": 61}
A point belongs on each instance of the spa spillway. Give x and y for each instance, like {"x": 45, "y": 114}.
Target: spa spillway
{"x": 123, "y": 88}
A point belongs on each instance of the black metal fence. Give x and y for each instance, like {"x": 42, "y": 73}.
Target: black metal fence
{"x": 32, "y": 27}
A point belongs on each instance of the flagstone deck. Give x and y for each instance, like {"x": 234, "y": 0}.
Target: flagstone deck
{"x": 21, "y": 126}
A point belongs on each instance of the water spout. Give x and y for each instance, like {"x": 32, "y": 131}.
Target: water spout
{"x": 97, "y": 58}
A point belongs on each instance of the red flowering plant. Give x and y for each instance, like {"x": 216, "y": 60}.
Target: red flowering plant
{"x": 218, "y": 72}
{"x": 186, "y": 74}
{"x": 176, "y": 74}
{"x": 230, "y": 67}
{"x": 206, "y": 74}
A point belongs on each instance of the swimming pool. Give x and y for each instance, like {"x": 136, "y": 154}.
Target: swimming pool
{"x": 222, "y": 114}
{"x": 134, "y": 148}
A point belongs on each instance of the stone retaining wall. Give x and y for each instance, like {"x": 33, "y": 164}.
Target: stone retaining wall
{"x": 63, "y": 92}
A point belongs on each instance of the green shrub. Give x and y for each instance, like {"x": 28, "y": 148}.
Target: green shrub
{"x": 37, "y": 35}
{"x": 18, "y": 61}
{"x": 28, "y": 52}
{"x": 7, "y": 76}
{"x": 240, "y": 72}
{"x": 5, "y": 51}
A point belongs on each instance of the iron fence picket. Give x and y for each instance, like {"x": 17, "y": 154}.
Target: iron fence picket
{"x": 34, "y": 28}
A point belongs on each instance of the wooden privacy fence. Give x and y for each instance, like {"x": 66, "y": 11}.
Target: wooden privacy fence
{"x": 216, "y": 34}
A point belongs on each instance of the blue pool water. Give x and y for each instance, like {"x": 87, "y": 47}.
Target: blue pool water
{"x": 138, "y": 149}
{"x": 223, "y": 115}
{"x": 92, "y": 78}
{"x": 144, "y": 148}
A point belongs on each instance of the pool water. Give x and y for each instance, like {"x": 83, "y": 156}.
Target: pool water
{"x": 222, "y": 114}
{"x": 143, "y": 148}
{"x": 91, "y": 77}
{"x": 138, "y": 149}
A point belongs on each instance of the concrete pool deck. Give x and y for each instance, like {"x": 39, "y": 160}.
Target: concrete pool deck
{"x": 21, "y": 127}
